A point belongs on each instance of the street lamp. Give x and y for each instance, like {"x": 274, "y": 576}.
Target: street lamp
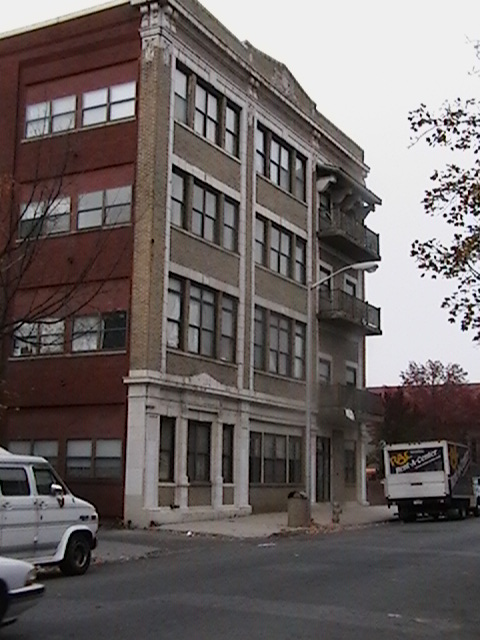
{"x": 369, "y": 266}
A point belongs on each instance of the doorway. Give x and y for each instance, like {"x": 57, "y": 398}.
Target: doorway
{"x": 323, "y": 469}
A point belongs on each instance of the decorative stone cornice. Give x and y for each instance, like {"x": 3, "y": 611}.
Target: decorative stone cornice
{"x": 156, "y": 29}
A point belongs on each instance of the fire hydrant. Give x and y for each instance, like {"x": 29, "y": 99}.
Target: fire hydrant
{"x": 336, "y": 511}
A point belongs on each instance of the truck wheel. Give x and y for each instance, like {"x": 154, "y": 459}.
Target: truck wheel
{"x": 476, "y": 510}
{"x": 407, "y": 516}
{"x": 77, "y": 556}
{"x": 462, "y": 512}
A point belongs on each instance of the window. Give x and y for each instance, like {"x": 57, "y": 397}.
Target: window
{"x": 210, "y": 326}
{"x": 294, "y": 460}
{"x": 198, "y": 452}
{"x": 275, "y": 459}
{"x": 227, "y": 340}
{"x": 325, "y": 289}
{"x": 178, "y": 199}
{"x": 39, "y": 338}
{"x": 350, "y": 462}
{"x": 40, "y": 218}
{"x": 280, "y": 251}
{"x": 286, "y": 344}
{"x": 44, "y": 448}
{"x": 324, "y": 205}
{"x": 260, "y": 152}
{"x": 227, "y": 453}
{"x": 94, "y": 459}
{"x": 79, "y": 458}
{"x": 104, "y": 208}
{"x": 324, "y": 371}
{"x": 351, "y": 287}
{"x": 351, "y": 376}
{"x": 166, "y": 468}
{"x": 300, "y": 260}
{"x": 206, "y": 113}
{"x": 279, "y": 347}
{"x": 231, "y": 130}
{"x": 108, "y": 458}
{"x": 300, "y": 171}
{"x": 230, "y": 215}
{"x": 260, "y": 241}
{"x": 181, "y": 96}
{"x": 108, "y": 104}
{"x": 53, "y": 116}
{"x": 44, "y": 478}
{"x": 204, "y": 214}
{"x": 13, "y": 482}
{"x": 103, "y": 332}
{"x": 259, "y": 339}
{"x": 201, "y": 321}
{"x": 299, "y": 352}
{"x": 174, "y": 312}
{"x": 255, "y": 473}
{"x": 280, "y": 164}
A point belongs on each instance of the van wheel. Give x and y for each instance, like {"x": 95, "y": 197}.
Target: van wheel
{"x": 77, "y": 556}
{"x": 476, "y": 510}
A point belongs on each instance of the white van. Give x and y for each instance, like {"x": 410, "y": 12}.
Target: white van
{"x": 40, "y": 520}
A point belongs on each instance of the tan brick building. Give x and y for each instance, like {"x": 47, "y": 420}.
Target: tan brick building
{"x": 243, "y": 194}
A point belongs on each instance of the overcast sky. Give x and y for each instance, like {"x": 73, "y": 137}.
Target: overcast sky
{"x": 366, "y": 63}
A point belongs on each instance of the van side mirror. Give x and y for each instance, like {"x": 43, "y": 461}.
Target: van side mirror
{"x": 56, "y": 490}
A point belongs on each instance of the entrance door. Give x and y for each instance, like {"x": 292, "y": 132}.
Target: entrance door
{"x": 323, "y": 469}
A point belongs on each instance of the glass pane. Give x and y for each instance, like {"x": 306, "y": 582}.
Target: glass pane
{"x": 200, "y": 99}
{"x": 36, "y": 128}
{"x": 180, "y": 83}
{"x": 120, "y": 92}
{"x": 95, "y": 98}
{"x": 194, "y": 314}
{"x": 285, "y": 244}
{"x": 229, "y": 239}
{"x": 109, "y": 448}
{"x": 20, "y": 447}
{"x": 230, "y": 143}
{"x": 63, "y": 105}
{"x": 118, "y": 214}
{"x": 63, "y": 122}
{"x": 114, "y": 330}
{"x": 231, "y": 120}
{"x": 122, "y": 110}
{"x": 94, "y": 116}
{"x": 173, "y": 334}
{"x": 52, "y": 337}
{"x": 88, "y": 219}
{"x": 13, "y": 482}
{"x": 180, "y": 109}
{"x": 274, "y": 151}
{"x": 177, "y": 186}
{"x": 211, "y": 132}
{"x": 119, "y": 195}
{"x": 207, "y": 343}
{"x": 174, "y": 305}
{"x": 284, "y": 158}
{"x": 197, "y": 223}
{"x": 198, "y": 197}
{"x": 229, "y": 214}
{"x": 275, "y": 239}
{"x": 210, "y": 204}
{"x": 38, "y": 111}
{"x": 78, "y": 448}
{"x": 209, "y": 229}
{"x": 212, "y": 107}
{"x": 194, "y": 340}
{"x": 199, "y": 124}
{"x": 45, "y": 448}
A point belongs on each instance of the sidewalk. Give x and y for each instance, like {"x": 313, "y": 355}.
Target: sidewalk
{"x": 126, "y": 544}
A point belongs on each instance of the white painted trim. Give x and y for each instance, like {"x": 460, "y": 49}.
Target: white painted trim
{"x": 269, "y": 428}
{"x": 242, "y": 249}
{"x": 208, "y": 179}
{"x": 200, "y": 278}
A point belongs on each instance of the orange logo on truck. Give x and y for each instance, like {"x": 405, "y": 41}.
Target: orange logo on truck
{"x": 400, "y": 458}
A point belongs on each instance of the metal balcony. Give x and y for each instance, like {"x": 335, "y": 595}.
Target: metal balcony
{"x": 342, "y": 232}
{"x": 341, "y": 403}
{"x": 341, "y": 307}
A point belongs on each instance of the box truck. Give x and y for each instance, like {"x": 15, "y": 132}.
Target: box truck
{"x": 430, "y": 478}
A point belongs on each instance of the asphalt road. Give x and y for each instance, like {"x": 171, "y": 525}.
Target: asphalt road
{"x": 396, "y": 581}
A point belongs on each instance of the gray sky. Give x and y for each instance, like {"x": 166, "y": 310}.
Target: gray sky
{"x": 366, "y": 63}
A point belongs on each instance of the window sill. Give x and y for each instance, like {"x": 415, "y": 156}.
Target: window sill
{"x": 59, "y": 134}
{"x": 278, "y": 376}
{"x": 71, "y": 232}
{"x": 196, "y": 356}
{"x": 209, "y": 142}
{"x": 281, "y": 189}
{"x": 53, "y": 356}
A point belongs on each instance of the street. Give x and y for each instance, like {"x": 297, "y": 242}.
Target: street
{"x": 393, "y": 580}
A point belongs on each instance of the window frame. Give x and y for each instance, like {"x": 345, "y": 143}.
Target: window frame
{"x": 194, "y": 456}
{"x": 99, "y": 331}
{"x": 228, "y": 447}
{"x": 166, "y": 454}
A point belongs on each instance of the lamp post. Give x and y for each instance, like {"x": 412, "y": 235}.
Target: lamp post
{"x": 369, "y": 266}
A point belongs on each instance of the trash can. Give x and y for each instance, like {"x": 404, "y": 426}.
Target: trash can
{"x": 298, "y": 509}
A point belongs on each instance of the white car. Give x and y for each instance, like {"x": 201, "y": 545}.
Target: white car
{"x": 18, "y": 589}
